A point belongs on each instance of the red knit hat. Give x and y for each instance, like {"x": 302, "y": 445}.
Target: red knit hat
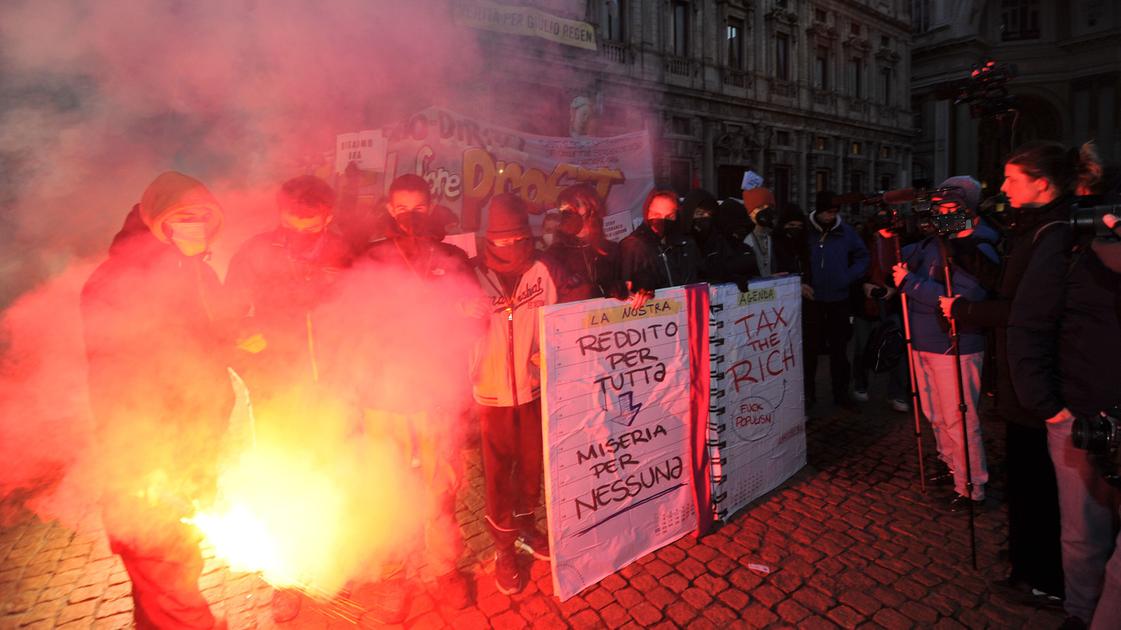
{"x": 508, "y": 217}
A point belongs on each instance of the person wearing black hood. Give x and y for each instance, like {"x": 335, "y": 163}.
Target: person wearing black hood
{"x": 697, "y": 213}
{"x": 727, "y": 256}
{"x": 159, "y": 393}
{"x": 1064, "y": 352}
{"x": 579, "y": 246}
{"x": 506, "y": 377}
{"x": 658, "y": 255}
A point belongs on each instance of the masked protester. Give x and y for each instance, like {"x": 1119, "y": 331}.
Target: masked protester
{"x": 727, "y": 258}
{"x": 507, "y": 385}
{"x": 1064, "y": 350}
{"x": 760, "y": 204}
{"x": 159, "y": 393}
{"x": 791, "y": 248}
{"x": 415, "y": 253}
{"x": 838, "y": 260}
{"x": 657, "y": 254}
{"x": 921, "y": 278}
{"x": 589, "y": 260}
{"x": 275, "y": 284}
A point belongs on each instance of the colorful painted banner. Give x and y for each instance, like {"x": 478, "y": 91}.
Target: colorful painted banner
{"x": 524, "y": 20}
{"x": 467, "y": 161}
{"x": 622, "y": 440}
{"x": 757, "y": 436}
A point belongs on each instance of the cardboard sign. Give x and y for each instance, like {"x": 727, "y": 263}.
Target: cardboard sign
{"x": 620, "y": 431}
{"x": 757, "y": 436}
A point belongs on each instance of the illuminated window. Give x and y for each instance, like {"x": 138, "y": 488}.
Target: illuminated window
{"x": 611, "y": 20}
{"x": 735, "y": 43}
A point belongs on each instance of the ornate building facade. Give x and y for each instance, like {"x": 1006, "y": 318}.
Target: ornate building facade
{"x": 1065, "y": 85}
{"x": 812, "y": 94}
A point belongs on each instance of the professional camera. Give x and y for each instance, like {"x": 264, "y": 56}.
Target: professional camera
{"x": 1089, "y": 220}
{"x": 1101, "y": 437}
{"x": 938, "y": 215}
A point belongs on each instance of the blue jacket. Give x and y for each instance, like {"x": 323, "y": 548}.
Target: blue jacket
{"x": 838, "y": 259}
{"x": 925, "y": 283}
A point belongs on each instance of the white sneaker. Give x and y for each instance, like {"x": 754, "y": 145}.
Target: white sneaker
{"x": 900, "y": 405}
{"x": 860, "y": 396}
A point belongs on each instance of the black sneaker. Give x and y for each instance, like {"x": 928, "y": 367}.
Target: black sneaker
{"x": 960, "y": 503}
{"x": 536, "y": 543}
{"x": 507, "y": 577}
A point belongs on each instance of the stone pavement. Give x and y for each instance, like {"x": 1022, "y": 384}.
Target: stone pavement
{"x": 850, "y": 542}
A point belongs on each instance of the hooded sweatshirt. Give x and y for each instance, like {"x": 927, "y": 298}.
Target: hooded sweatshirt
{"x": 838, "y": 259}
{"x": 157, "y": 355}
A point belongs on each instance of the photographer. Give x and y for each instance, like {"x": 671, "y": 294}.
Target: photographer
{"x": 1064, "y": 352}
{"x": 921, "y": 277}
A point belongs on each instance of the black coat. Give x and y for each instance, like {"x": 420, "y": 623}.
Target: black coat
{"x": 592, "y": 270}
{"x": 993, "y": 313}
{"x": 1064, "y": 330}
{"x": 650, "y": 264}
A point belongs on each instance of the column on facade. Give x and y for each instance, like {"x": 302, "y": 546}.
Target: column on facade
{"x": 708, "y": 157}
{"x": 805, "y": 177}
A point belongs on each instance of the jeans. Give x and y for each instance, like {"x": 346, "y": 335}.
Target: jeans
{"x": 827, "y": 330}
{"x": 1091, "y": 562}
{"x": 935, "y": 376}
{"x": 513, "y": 466}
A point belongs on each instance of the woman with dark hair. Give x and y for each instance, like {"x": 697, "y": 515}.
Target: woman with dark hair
{"x": 580, "y": 247}
{"x": 657, "y": 255}
{"x": 1063, "y": 337}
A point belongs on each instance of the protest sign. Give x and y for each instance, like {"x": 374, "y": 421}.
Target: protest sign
{"x": 466, "y": 161}
{"x": 757, "y": 435}
{"x": 624, "y": 436}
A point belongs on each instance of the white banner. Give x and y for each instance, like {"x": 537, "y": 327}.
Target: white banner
{"x": 616, "y": 414}
{"x": 757, "y": 436}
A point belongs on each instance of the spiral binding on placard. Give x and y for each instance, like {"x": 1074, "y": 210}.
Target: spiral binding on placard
{"x": 716, "y": 444}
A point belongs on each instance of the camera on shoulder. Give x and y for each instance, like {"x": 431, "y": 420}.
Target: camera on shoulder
{"x": 1101, "y": 437}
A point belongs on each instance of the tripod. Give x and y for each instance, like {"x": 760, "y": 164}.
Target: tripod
{"x": 947, "y": 262}
{"x": 915, "y": 407}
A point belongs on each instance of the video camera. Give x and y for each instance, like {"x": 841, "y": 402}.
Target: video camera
{"x": 1090, "y": 220}
{"x": 1101, "y": 437}
{"x": 984, "y": 89}
{"x": 931, "y": 213}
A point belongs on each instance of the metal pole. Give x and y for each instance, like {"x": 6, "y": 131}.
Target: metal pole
{"x": 915, "y": 407}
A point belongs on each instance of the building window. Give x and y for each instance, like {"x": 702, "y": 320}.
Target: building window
{"x": 854, "y": 28}
{"x": 681, "y": 176}
{"x": 681, "y": 126}
{"x": 735, "y": 43}
{"x": 856, "y": 182}
{"x": 885, "y": 152}
{"x": 782, "y": 138}
{"x": 856, "y": 76}
{"x": 885, "y": 41}
{"x": 821, "y": 68}
{"x": 781, "y": 187}
{"x": 885, "y": 84}
{"x": 821, "y": 143}
{"x": 856, "y": 148}
{"x": 679, "y": 28}
{"x": 611, "y": 20}
{"x": 886, "y": 182}
{"x": 920, "y": 16}
{"x": 821, "y": 181}
{"x": 1019, "y": 19}
{"x": 820, "y": 15}
{"x": 782, "y": 56}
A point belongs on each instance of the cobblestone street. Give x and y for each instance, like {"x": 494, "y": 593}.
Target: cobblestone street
{"x": 850, "y": 542}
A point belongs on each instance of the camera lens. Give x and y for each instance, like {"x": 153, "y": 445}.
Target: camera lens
{"x": 1090, "y": 434}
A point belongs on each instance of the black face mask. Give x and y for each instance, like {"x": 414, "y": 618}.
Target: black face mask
{"x": 509, "y": 259}
{"x": 794, "y": 233}
{"x": 702, "y": 225}
{"x": 661, "y": 227}
{"x": 571, "y": 223}
{"x": 413, "y": 223}
{"x": 765, "y": 218}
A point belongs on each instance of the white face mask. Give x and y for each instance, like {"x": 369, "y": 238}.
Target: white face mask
{"x": 189, "y": 237}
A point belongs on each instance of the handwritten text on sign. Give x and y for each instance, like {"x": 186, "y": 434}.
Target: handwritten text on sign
{"x": 616, "y": 407}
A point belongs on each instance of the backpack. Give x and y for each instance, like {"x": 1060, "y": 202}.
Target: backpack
{"x": 886, "y": 346}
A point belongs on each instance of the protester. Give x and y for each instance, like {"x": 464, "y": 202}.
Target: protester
{"x": 507, "y": 385}
{"x": 791, "y": 251}
{"x": 413, "y": 249}
{"x": 1064, "y": 344}
{"x": 159, "y": 393}
{"x": 590, "y": 261}
{"x": 838, "y": 259}
{"x": 920, "y": 276}
{"x": 727, "y": 258}
{"x": 873, "y": 305}
{"x": 760, "y": 204}
{"x": 657, "y": 255}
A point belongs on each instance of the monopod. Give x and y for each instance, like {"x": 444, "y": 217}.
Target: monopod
{"x": 915, "y": 407}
